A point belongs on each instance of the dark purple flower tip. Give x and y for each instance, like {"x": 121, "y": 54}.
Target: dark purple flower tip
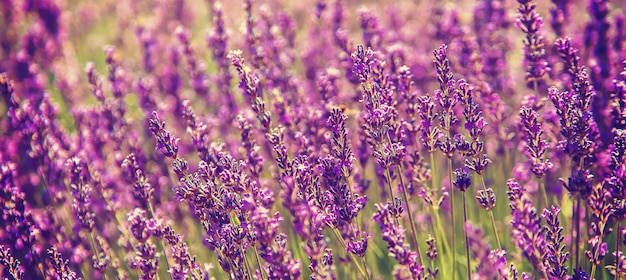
{"x": 442, "y": 65}
{"x": 486, "y": 198}
{"x": 432, "y": 248}
{"x": 462, "y": 179}
{"x": 166, "y": 142}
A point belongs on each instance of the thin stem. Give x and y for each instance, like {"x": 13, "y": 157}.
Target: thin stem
{"x": 452, "y": 216}
{"x": 247, "y": 264}
{"x": 434, "y": 180}
{"x": 544, "y": 196}
{"x": 343, "y": 243}
{"x": 159, "y": 241}
{"x": 597, "y": 252}
{"x": 617, "y": 248}
{"x": 95, "y": 251}
{"x": 467, "y": 253}
{"x": 258, "y": 262}
{"x": 577, "y": 221}
{"x": 232, "y": 266}
{"x": 411, "y": 220}
{"x": 435, "y": 207}
{"x": 364, "y": 264}
{"x": 571, "y": 260}
{"x": 493, "y": 221}
{"x": 389, "y": 182}
{"x": 445, "y": 245}
{"x": 495, "y": 230}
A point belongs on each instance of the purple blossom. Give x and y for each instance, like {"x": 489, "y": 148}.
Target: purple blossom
{"x": 61, "y": 265}
{"x": 81, "y": 190}
{"x": 530, "y": 22}
{"x": 166, "y": 143}
{"x": 462, "y": 180}
{"x": 142, "y": 189}
{"x": 537, "y": 146}
{"x": 94, "y": 185}
{"x": 486, "y": 198}
{"x": 527, "y": 230}
{"x": 556, "y": 256}
{"x": 393, "y": 234}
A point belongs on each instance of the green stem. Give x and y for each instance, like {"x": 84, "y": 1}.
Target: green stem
{"x": 441, "y": 235}
{"x": 452, "y": 216}
{"x": 434, "y": 180}
{"x": 493, "y": 221}
{"x": 389, "y": 182}
{"x": 94, "y": 249}
{"x": 617, "y": 248}
{"x": 571, "y": 250}
{"x": 467, "y": 253}
{"x": 577, "y": 221}
{"x": 247, "y": 264}
{"x": 495, "y": 230}
{"x": 435, "y": 207}
{"x": 411, "y": 220}
{"x": 544, "y": 196}
{"x": 258, "y": 262}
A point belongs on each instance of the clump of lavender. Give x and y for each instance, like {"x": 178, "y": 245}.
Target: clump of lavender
{"x": 341, "y": 111}
{"x": 381, "y": 125}
{"x": 577, "y": 127}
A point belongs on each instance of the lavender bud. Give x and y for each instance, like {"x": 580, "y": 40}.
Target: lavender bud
{"x": 462, "y": 179}
{"x": 486, "y": 198}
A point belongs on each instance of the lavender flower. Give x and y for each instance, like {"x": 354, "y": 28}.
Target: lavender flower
{"x": 556, "y": 257}
{"x": 339, "y": 110}
{"x": 491, "y": 263}
{"x": 537, "y": 146}
{"x": 81, "y": 191}
{"x": 199, "y": 81}
{"x": 559, "y": 16}
{"x": 618, "y": 101}
{"x": 249, "y": 83}
{"x": 273, "y": 245}
{"x": 486, "y": 198}
{"x": 530, "y": 22}
{"x": 142, "y": 190}
{"x": 393, "y": 234}
{"x": 527, "y": 230}
{"x": 12, "y": 266}
{"x": 61, "y": 265}
{"x": 462, "y": 180}
{"x": 146, "y": 259}
{"x": 430, "y": 132}
{"x": 166, "y": 143}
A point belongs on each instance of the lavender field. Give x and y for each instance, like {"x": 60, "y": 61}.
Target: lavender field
{"x": 322, "y": 139}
